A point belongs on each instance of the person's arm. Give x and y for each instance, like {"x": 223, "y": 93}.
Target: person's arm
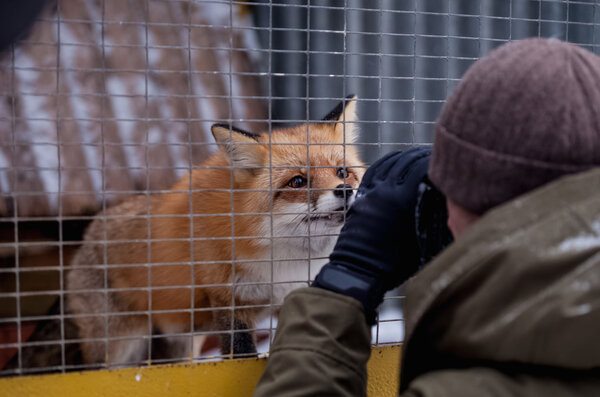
{"x": 322, "y": 342}
{"x": 321, "y": 347}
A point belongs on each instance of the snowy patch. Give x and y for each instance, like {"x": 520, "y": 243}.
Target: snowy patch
{"x": 5, "y": 168}
{"x": 583, "y": 241}
{"x": 581, "y": 286}
{"x": 579, "y": 243}
{"x": 390, "y": 328}
{"x": 205, "y": 107}
{"x": 154, "y": 54}
{"x": 46, "y": 155}
{"x": 172, "y": 134}
{"x": 123, "y": 109}
{"x": 80, "y": 113}
{"x": 108, "y": 47}
{"x": 578, "y": 310}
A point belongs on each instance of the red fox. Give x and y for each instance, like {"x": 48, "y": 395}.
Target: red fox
{"x": 168, "y": 264}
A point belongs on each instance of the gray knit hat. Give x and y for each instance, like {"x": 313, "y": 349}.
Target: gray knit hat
{"x": 524, "y": 115}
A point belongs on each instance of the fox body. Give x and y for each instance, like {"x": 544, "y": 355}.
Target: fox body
{"x": 167, "y": 263}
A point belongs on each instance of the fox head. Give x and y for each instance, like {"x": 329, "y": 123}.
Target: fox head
{"x": 305, "y": 176}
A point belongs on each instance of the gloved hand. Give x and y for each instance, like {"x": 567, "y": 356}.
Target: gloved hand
{"x": 377, "y": 248}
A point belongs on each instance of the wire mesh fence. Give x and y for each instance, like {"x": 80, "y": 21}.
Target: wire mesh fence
{"x": 196, "y": 232}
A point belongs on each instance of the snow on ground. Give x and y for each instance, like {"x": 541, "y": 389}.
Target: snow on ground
{"x": 390, "y": 328}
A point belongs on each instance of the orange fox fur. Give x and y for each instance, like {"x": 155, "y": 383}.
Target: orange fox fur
{"x": 283, "y": 235}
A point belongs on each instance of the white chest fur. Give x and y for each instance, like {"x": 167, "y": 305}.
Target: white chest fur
{"x": 294, "y": 251}
{"x": 285, "y": 267}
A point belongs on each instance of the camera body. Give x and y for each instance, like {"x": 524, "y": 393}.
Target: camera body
{"x": 431, "y": 222}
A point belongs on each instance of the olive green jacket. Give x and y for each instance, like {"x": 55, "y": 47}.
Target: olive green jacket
{"x": 511, "y": 308}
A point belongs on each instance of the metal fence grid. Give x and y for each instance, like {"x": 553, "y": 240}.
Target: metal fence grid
{"x": 108, "y": 99}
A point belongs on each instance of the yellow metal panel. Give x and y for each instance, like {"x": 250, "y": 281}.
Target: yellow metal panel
{"x": 235, "y": 378}
{"x": 384, "y": 371}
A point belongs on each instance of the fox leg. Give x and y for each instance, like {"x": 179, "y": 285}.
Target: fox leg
{"x": 236, "y": 340}
{"x": 126, "y": 340}
{"x": 107, "y": 337}
{"x": 172, "y": 340}
{"x": 125, "y": 343}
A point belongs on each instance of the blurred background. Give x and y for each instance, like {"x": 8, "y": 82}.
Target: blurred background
{"x": 402, "y": 58}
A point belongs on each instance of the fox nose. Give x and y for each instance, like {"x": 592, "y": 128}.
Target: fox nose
{"x": 343, "y": 191}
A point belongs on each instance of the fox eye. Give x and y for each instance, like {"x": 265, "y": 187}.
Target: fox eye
{"x": 297, "y": 182}
{"x": 342, "y": 173}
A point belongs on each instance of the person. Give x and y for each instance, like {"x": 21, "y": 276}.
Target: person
{"x": 512, "y": 306}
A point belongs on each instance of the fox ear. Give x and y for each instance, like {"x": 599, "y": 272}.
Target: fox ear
{"x": 243, "y": 149}
{"x": 345, "y": 115}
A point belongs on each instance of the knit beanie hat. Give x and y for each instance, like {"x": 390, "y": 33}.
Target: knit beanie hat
{"x": 524, "y": 115}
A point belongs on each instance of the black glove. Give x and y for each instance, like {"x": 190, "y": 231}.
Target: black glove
{"x": 377, "y": 249}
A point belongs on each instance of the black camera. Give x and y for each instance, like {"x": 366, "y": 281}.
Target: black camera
{"x": 431, "y": 222}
